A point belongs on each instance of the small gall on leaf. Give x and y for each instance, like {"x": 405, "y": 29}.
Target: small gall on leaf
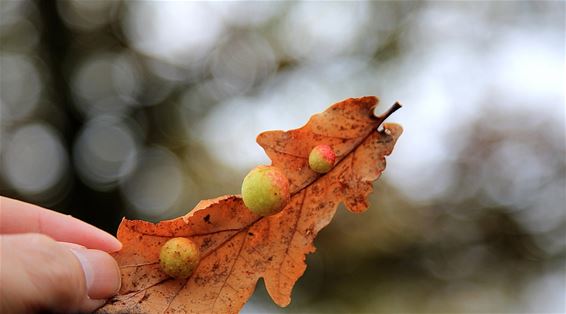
{"x": 322, "y": 158}
{"x": 265, "y": 190}
{"x": 179, "y": 257}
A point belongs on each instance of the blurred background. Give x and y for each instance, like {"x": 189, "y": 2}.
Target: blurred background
{"x": 140, "y": 109}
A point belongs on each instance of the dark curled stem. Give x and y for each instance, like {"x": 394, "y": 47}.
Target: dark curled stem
{"x": 396, "y": 106}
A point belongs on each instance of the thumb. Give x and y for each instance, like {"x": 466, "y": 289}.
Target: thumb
{"x": 38, "y": 273}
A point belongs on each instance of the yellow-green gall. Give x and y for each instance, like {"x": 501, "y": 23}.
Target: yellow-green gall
{"x": 179, "y": 257}
{"x": 322, "y": 158}
{"x": 265, "y": 190}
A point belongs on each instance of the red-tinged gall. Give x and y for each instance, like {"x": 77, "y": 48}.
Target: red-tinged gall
{"x": 322, "y": 158}
{"x": 179, "y": 257}
{"x": 265, "y": 190}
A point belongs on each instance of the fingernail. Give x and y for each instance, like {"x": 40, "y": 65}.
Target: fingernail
{"x": 102, "y": 275}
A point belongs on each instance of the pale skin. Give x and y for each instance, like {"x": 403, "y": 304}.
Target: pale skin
{"x": 53, "y": 262}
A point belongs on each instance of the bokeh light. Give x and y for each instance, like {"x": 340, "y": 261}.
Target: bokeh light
{"x": 239, "y": 63}
{"x": 104, "y": 151}
{"x": 34, "y": 160}
{"x": 179, "y": 32}
{"x": 156, "y": 183}
{"x": 106, "y": 84}
{"x": 337, "y": 29}
{"x": 86, "y": 15}
{"x": 21, "y": 87}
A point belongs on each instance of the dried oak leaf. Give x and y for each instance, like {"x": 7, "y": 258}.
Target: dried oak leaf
{"x": 238, "y": 247}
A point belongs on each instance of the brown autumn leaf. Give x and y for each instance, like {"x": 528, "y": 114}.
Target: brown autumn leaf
{"x": 238, "y": 247}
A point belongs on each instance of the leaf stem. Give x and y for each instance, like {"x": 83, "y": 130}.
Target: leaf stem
{"x": 396, "y": 106}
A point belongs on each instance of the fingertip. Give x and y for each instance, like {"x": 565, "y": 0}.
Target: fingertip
{"x": 110, "y": 242}
{"x": 91, "y": 305}
{"x": 114, "y": 244}
{"x": 118, "y": 246}
{"x": 96, "y": 238}
{"x": 102, "y": 274}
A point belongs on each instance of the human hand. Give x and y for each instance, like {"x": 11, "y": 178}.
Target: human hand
{"x": 50, "y": 261}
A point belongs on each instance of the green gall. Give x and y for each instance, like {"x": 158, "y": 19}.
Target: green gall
{"x": 179, "y": 257}
{"x": 322, "y": 158}
{"x": 265, "y": 190}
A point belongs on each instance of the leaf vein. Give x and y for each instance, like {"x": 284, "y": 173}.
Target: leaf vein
{"x": 138, "y": 265}
{"x": 229, "y": 272}
{"x": 337, "y": 137}
{"x": 294, "y": 230}
{"x": 175, "y": 295}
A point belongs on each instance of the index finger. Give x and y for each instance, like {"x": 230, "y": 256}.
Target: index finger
{"x": 20, "y": 217}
